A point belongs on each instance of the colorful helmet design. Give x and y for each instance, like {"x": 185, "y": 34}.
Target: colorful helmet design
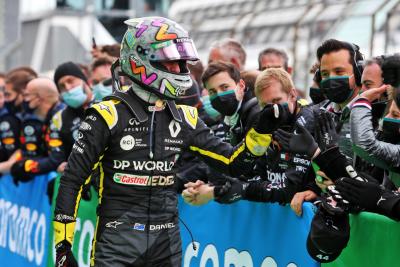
{"x": 146, "y": 44}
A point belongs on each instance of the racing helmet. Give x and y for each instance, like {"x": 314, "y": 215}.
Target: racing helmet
{"x": 149, "y": 42}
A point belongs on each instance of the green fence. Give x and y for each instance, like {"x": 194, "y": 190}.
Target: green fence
{"x": 374, "y": 242}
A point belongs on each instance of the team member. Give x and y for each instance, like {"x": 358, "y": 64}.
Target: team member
{"x": 229, "y": 96}
{"x": 10, "y": 122}
{"x": 101, "y": 78}
{"x": 339, "y": 77}
{"x": 42, "y": 102}
{"x": 75, "y": 92}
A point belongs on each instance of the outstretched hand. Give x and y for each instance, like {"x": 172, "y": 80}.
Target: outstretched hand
{"x": 300, "y": 142}
{"x": 325, "y": 131}
{"x": 232, "y": 191}
{"x": 298, "y": 199}
{"x": 360, "y": 193}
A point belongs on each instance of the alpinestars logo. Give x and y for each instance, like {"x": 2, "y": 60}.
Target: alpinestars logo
{"x": 105, "y": 107}
{"x": 113, "y": 224}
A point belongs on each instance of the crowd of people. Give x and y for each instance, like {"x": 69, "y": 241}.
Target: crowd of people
{"x": 141, "y": 126}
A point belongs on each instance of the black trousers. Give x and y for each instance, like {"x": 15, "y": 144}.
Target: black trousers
{"x": 122, "y": 242}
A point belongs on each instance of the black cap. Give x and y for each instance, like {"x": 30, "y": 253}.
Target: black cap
{"x": 328, "y": 236}
{"x": 69, "y": 68}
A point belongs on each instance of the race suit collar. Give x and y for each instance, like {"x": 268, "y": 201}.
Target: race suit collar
{"x": 138, "y": 106}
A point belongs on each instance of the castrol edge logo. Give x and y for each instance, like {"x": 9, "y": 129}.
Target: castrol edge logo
{"x": 143, "y": 180}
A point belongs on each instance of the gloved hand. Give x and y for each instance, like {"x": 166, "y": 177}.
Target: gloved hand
{"x": 325, "y": 131}
{"x": 363, "y": 194}
{"x": 391, "y": 70}
{"x": 371, "y": 196}
{"x": 232, "y": 191}
{"x": 332, "y": 206}
{"x": 334, "y": 164}
{"x": 300, "y": 142}
{"x": 271, "y": 116}
{"x": 20, "y": 171}
{"x": 64, "y": 256}
{"x": 64, "y": 226}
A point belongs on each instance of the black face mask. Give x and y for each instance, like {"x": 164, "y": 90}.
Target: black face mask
{"x": 316, "y": 95}
{"x": 337, "y": 89}
{"x": 10, "y": 105}
{"x": 26, "y": 108}
{"x": 225, "y": 102}
{"x": 378, "y": 108}
{"x": 391, "y": 131}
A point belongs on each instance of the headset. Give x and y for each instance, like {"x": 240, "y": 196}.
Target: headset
{"x": 358, "y": 66}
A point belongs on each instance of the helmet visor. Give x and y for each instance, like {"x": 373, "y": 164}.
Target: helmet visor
{"x": 178, "y": 49}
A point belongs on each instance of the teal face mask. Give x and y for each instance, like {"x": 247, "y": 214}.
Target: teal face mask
{"x": 75, "y": 97}
{"x": 100, "y": 91}
{"x": 213, "y": 113}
